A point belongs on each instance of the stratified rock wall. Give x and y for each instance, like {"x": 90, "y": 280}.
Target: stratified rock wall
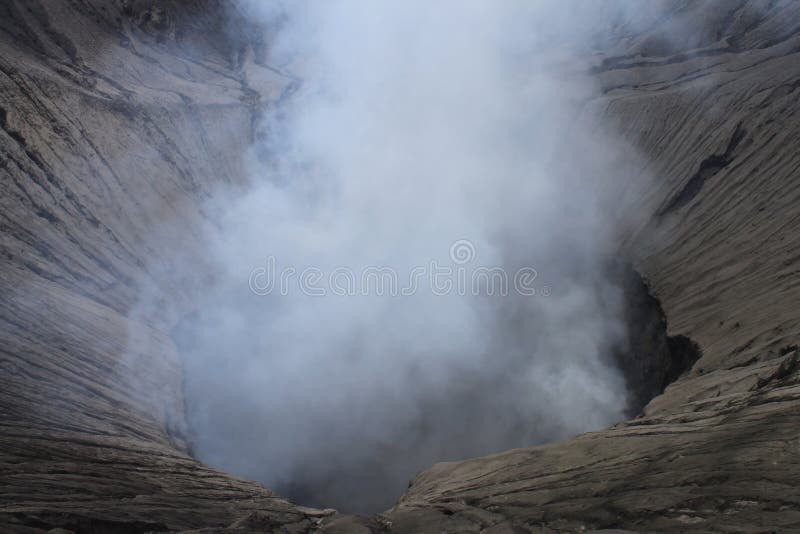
{"x": 117, "y": 120}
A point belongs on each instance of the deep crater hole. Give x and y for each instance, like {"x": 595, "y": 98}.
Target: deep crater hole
{"x": 348, "y": 429}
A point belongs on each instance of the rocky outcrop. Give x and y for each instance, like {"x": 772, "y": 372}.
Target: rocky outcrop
{"x": 118, "y": 118}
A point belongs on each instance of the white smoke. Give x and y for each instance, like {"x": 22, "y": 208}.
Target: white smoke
{"x": 414, "y": 125}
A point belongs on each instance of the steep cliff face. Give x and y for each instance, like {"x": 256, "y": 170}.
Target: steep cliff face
{"x": 117, "y": 119}
{"x": 648, "y": 358}
{"x": 110, "y": 135}
{"x": 718, "y": 450}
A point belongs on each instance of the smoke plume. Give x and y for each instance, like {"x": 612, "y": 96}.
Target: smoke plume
{"x": 416, "y": 138}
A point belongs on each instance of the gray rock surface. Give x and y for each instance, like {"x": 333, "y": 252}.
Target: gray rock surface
{"x": 118, "y": 118}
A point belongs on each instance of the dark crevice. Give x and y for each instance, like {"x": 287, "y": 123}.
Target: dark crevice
{"x": 620, "y": 63}
{"x": 16, "y": 136}
{"x": 709, "y": 167}
{"x": 649, "y": 358}
{"x": 735, "y": 44}
{"x": 784, "y": 370}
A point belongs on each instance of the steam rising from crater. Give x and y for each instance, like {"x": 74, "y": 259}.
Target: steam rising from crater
{"x": 413, "y": 125}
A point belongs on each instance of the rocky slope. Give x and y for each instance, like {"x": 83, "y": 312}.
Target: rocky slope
{"x": 118, "y": 118}
{"x": 106, "y": 140}
{"x": 718, "y": 451}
